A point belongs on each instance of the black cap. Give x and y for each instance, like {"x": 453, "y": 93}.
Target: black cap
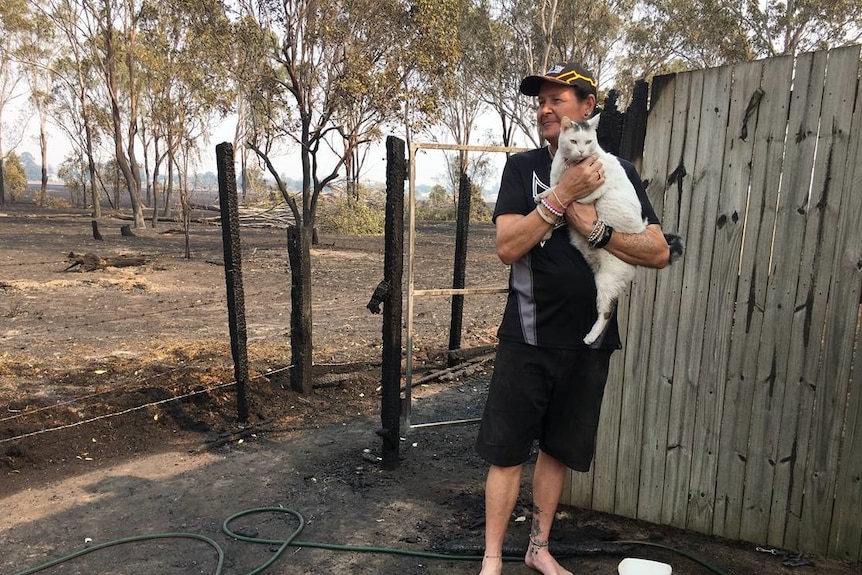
{"x": 563, "y": 73}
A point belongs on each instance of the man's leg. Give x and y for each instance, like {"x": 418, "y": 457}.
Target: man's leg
{"x": 548, "y": 478}
{"x": 501, "y": 493}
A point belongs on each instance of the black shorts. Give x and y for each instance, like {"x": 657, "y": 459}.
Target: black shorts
{"x": 553, "y": 395}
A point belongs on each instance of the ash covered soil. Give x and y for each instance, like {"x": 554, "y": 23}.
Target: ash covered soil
{"x": 118, "y": 413}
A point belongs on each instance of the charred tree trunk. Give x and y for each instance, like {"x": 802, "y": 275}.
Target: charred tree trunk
{"x": 299, "y": 255}
{"x": 459, "y": 271}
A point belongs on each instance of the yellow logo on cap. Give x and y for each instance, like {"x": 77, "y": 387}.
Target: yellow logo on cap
{"x": 570, "y": 77}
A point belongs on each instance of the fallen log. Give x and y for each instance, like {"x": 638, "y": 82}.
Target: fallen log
{"x": 92, "y": 262}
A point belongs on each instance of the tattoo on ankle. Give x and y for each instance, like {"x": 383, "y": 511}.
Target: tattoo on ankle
{"x": 536, "y": 545}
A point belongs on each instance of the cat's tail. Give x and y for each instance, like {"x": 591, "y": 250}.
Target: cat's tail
{"x": 677, "y": 246}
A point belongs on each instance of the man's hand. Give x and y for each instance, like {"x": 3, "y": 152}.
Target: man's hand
{"x": 580, "y": 180}
{"x": 582, "y": 217}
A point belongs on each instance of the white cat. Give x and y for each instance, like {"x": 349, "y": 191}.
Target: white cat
{"x": 617, "y": 205}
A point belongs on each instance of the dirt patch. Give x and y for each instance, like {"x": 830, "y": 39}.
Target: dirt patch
{"x": 118, "y": 413}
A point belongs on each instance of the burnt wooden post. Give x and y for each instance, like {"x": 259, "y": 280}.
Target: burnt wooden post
{"x": 610, "y": 128}
{"x": 233, "y": 272}
{"x": 459, "y": 270}
{"x": 634, "y": 130}
{"x": 390, "y": 288}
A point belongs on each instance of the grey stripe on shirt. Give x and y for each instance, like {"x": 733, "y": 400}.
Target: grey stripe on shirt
{"x": 522, "y": 282}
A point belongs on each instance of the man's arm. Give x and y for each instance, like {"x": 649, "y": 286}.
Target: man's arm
{"x": 648, "y": 248}
{"x": 517, "y": 234}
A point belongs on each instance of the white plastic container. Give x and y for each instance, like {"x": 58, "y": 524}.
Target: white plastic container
{"x": 632, "y": 566}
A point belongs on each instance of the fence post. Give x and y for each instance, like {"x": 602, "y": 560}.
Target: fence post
{"x": 459, "y": 269}
{"x": 610, "y": 128}
{"x": 233, "y": 272}
{"x": 635, "y": 126}
{"x": 393, "y": 264}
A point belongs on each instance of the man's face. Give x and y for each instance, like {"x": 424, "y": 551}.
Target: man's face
{"x": 556, "y": 101}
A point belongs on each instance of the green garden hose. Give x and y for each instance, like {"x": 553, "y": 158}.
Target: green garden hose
{"x": 124, "y": 540}
{"x": 291, "y": 541}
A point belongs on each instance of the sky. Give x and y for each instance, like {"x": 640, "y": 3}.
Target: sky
{"x": 430, "y": 164}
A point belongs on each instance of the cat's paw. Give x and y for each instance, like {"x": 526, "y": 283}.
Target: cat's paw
{"x": 596, "y": 332}
{"x": 592, "y": 336}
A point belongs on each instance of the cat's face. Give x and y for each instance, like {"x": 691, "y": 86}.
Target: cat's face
{"x": 577, "y": 139}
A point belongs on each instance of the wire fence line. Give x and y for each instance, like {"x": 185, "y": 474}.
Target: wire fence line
{"x": 25, "y": 413}
{"x": 137, "y": 407}
{"x": 186, "y": 306}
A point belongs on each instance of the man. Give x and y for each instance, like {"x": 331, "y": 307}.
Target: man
{"x": 547, "y": 384}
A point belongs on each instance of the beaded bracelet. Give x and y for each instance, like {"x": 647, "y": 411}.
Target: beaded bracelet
{"x": 544, "y": 216}
{"x": 597, "y": 232}
{"x": 600, "y": 235}
{"x": 551, "y": 208}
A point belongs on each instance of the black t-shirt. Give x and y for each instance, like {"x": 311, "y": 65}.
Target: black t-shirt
{"x": 552, "y": 293}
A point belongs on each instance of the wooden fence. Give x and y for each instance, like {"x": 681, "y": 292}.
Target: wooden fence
{"x": 735, "y": 408}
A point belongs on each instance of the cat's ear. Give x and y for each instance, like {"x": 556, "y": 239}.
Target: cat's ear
{"x": 566, "y": 121}
{"x": 594, "y": 121}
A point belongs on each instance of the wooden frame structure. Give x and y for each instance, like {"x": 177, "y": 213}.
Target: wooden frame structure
{"x": 412, "y": 292}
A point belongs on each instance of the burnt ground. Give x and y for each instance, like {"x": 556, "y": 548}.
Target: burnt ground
{"x": 118, "y": 413}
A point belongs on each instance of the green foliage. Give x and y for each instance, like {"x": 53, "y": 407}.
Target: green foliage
{"x": 479, "y": 210}
{"x": 14, "y": 176}
{"x": 72, "y": 172}
{"x": 438, "y": 206}
{"x": 351, "y": 218}
{"x": 253, "y": 181}
{"x": 673, "y": 35}
{"x": 441, "y": 206}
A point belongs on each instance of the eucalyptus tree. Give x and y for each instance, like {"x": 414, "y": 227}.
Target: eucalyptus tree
{"x": 775, "y": 28}
{"x": 672, "y": 35}
{"x": 526, "y": 37}
{"x": 75, "y": 103}
{"x": 498, "y": 61}
{"x": 184, "y": 62}
{"x": 592, "y": 33}
{"x": 14, "y": 19}
{"x": 461, "y": 111}
{"x": 117, "y": 49}
{"x": 563, "y": 30}
{"x": 360, "y": 107}
{"x": 253, "y": 75}
{"x": 102, "y": 41}
{"x": 35, "y": 53}
{"x": 327, "y": 56}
